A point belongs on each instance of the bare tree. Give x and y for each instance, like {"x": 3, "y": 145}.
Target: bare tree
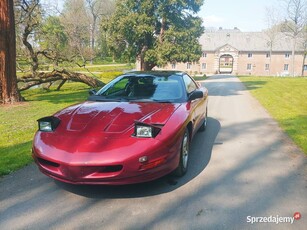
{"x": 296, "y": 19}
{"x": 76, "y": 23}
{"x": 30, "y": 19}
{"x": 8, "y": 79}
{"x": 98, "y": 9}
{"x": 273, "y": 29}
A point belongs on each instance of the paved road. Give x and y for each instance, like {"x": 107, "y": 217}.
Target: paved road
{"x": 243, "y": 165}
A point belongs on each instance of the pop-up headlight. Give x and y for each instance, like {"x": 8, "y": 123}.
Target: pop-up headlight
{"x": 48, "y": 124}
{"x": 145, "y": 130}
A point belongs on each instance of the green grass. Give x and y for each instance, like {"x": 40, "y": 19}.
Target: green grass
{"x": 18, "y": 122}
{"x": 102, "y": 68}
{"x": 286, "y": 100}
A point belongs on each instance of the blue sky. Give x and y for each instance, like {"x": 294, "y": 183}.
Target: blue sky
{"x": 247, "y": 15}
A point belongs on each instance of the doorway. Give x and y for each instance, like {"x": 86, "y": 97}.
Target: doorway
{"x": 226, "y": 64}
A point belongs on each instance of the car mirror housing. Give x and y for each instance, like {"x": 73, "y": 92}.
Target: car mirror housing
{"x": 195, "y": 95}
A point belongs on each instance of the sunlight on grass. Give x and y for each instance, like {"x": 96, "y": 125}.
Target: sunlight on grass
{"x": 18, "y": 122}
{"x": 285, "y": 99}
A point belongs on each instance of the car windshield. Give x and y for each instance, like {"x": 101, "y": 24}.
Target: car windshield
{"x": 143, "y": 88}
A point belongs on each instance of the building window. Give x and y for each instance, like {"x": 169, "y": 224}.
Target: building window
{"x": 267, "y": 55}
{"x": 249, "y": 66}
{"x": 287, "y": 55}
{"x": 173, "y": 65}
{"x": 267, "y": 66}
{"x": 204, "y": 65}
{"x": 305, "y": 67}
{"x": 286, "y": 67}
{"x": 249, "y": 55}
{"x": 204, "y": 54}
{"x": 188, "y": 65}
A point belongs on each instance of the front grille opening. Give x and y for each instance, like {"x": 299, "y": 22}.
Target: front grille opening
{"x": 112, "y": 168}
{"x": 47, "y": 163}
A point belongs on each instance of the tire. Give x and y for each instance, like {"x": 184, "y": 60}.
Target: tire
{"x": 203, "y": 126}
{"x": 184, "y": 155}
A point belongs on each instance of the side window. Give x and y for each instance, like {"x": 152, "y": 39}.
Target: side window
{"x": 189, "y": 84}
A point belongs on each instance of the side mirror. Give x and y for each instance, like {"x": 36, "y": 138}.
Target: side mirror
{"x": 195, "y": 95}
{"x": 92, "y": 92}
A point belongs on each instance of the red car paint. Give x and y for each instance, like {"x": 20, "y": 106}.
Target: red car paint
{"x": 94, "y": 142}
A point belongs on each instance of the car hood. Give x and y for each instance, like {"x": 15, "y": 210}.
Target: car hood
{"x": 96, "y": 118}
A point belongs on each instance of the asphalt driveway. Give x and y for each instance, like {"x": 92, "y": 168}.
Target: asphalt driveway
{"x": 241, "y": 168}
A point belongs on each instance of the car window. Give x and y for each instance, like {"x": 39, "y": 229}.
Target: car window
{"x": 117, "y": 87}
{"x": 189, "y": 84}
{"x": 148, "y": 88}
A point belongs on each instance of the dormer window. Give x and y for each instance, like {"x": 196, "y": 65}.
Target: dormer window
{"x": 250, "y": 55}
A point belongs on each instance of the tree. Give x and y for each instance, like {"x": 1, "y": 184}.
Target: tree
{"x": 296, "y": 19}
{"x": 273, "y": 30}
{"x": 97, "y": 9}
{"x": 53, "y": 40}
{"x": 76, "y": 23}
{"x": 8, "y": 79}
{"x": 30, "y": 20}
{"x": 157, "y": 32}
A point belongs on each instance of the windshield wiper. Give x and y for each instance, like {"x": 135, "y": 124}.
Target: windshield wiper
{"x": 162, "y": 101}
{"x": 106, "y": 98}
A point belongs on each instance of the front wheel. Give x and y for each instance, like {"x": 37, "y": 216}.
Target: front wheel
{"x": 184, "y": 155}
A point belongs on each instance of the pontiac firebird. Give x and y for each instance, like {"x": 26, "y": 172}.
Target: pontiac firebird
{"x": 135, "y": 129}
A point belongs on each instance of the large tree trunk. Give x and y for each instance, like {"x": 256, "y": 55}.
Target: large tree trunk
{"x": 8, "y": 80}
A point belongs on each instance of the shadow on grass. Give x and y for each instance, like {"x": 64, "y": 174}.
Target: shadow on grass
{"x": 58, "y": 97}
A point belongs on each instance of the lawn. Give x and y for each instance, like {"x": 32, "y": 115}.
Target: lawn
{"x": 285, "y": 99}
{"x": 18, "y": 122}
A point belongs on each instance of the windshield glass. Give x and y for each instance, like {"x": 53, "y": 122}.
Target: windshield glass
{"x": 144, "y": 88}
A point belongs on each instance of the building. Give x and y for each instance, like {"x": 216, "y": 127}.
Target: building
{"x": 246, "y": 53}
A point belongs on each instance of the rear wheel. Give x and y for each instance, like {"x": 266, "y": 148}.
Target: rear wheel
{"x": 204, "y": 124}
{"x": 184, "y": 155}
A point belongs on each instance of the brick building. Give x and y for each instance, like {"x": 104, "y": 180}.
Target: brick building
{"x": 245, "y": 53}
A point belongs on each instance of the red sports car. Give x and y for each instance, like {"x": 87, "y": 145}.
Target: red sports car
{"x": 136, "y": 128}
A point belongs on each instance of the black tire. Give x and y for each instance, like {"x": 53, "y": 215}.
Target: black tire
{"x": 203, "y": 126}
{"x": 184, "y": 155}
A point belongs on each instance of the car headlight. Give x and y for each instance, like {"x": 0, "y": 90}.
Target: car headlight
{"x": 48, "y": 124}
{"x": 145, "y": 130}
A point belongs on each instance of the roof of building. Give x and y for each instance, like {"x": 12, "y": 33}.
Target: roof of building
{"x": 246, "y": 41}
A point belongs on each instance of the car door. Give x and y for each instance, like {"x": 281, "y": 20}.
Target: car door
{"x": 197, "y": 106}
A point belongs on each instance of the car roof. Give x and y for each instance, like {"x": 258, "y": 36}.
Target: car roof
{"x": 158, "y": 73}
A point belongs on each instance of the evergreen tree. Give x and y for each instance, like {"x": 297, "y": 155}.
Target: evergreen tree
{"x": 157, "y": 32}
